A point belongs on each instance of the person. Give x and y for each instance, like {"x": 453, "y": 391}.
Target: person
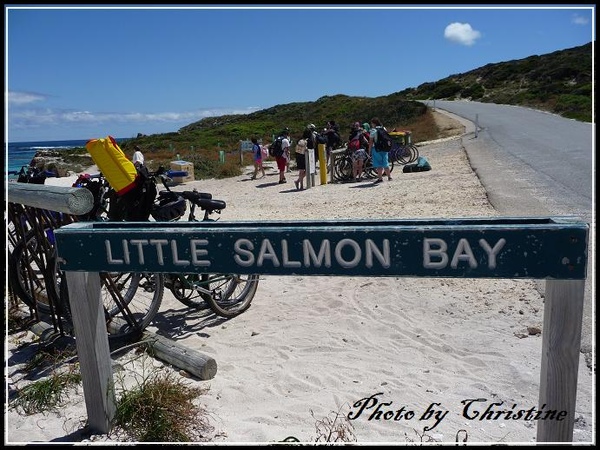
{"x": 286, "y": 151}
{"x": 257, "y": 158}
{"x": 332, "y": 132}
{"x": 301, "y": 148}
{"x": 379, "y": 159}
{"x": 357, "y": 143}
{"x": 281, "y": 160}
{"x": 138, "y": 157}
{"x": 310, "y": 135}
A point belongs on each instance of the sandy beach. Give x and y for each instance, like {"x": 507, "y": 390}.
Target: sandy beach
{"x": 311, "y": 346}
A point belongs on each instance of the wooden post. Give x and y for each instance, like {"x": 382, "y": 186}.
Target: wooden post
{"x": 202, "y": 366}
{"x": 92, "y": 349}
{"x": 70, "y": 200}
{"x": 561, "y": 341}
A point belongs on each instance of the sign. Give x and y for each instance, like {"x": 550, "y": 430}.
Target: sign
{"x": 246, "y": 146}
{"x": 534, "y": 248}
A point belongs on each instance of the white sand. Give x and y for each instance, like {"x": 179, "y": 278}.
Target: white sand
{"x": 311, "y": 346}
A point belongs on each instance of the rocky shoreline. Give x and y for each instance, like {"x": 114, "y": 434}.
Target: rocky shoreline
{"x": 61, "y": 163}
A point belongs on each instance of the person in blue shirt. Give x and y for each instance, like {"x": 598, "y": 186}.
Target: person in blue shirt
{"x": 257, "y": 158}
{"x": 379, "y": 159}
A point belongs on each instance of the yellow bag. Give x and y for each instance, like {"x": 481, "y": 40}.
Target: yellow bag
{"x": 112, "y": 162}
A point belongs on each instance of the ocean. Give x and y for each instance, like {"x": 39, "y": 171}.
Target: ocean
{"x": 21, "y": 153}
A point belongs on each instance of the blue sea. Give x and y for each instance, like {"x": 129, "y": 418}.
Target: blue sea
{"x": 21, "y": 153}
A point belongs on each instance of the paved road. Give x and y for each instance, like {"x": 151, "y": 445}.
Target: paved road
{"x": 523, "y": 152}
{"x": 532, "y": 163}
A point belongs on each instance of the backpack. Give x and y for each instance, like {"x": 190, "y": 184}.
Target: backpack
{"x": 384, "y": 140}
{"x": 334, "y": 138}
{"x": 135, "y": 204}
{"x": 311, "y": 139}
{"x": 264, "y": 151}
{"x": 354, "y": 144}
{"x": 301, "y": 147}
{"x": 422, "y": 165}
{"x": 357, "y": 141}
{"x": 275, "y": 149}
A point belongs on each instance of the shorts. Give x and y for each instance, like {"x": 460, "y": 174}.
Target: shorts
{"x": 300, "y": 161}
{"x": 281, "y": 162}
{"x": 380, "y": 159}
{"x": 359, "y": 155}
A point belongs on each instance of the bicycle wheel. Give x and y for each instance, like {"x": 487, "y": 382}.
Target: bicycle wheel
{"x": 369, "y": 171}
{"x": 343, "y": 169}
{"x": 185, "y": 288}
{"x": 395, "y": 153}
{"x": 414, "y": 153}
{"x": 130, "y": 300}
{"x": 399, "y": 154}
{"x": 26, "y": 266}
{"x": 230, "y": 294}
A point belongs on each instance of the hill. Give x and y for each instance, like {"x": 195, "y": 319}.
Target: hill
{"x": 560, "y": 82}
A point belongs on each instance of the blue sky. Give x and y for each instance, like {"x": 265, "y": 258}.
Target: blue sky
{"x": 86, "y": 72}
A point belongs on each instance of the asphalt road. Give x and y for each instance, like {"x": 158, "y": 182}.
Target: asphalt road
{"x": 520, "y": 152}
{"x": 533, "y": 164}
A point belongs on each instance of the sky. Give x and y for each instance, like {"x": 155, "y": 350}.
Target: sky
{"x": 83, "y": 72}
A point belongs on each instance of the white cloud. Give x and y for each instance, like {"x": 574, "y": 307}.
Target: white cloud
{"x": 28, "y": 118}
{"x": 461, "y": 33}
{"x": 579, "y": 20}
{"x": 24, "y": 98}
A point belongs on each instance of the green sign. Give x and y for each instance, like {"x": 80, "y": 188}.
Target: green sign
{"x": 534, "y": 248}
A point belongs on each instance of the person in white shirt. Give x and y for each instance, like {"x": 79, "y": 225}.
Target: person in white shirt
{"x": 138, "y": 157}
{"x": 281, "y": 160}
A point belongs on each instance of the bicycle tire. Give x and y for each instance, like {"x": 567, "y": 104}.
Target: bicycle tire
{"x": 182, "y": 286}
{"x": 414, "y": 154}
{"x": 371, "y": 172}
{"x": 133, "y": 298}
{"x": 130, "y": 300}
{"x": 26, "y": 266}
{"x": 234, "y": 297}
{"x": 343, "y": 169}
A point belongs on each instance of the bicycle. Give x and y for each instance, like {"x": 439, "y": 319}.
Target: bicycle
{"x": 227, "y": 295}
{"x": 130, "y": 300}
{"x": 343, "y": 167}
{"x": 403, "y": 150}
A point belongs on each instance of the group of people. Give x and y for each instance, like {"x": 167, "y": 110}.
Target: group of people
{"x": 282, "y": 159}
{"x": 308, "y": 141}
{"x": 362, "y": 142}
